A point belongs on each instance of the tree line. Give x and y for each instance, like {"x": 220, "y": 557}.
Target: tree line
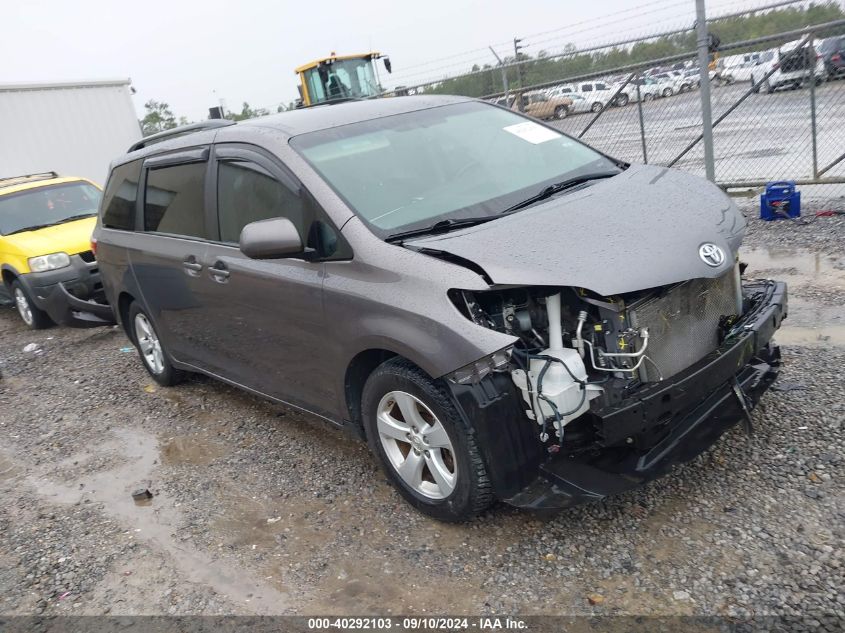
{"x": 158, "y": 116}
{"x": 545, "y": 68}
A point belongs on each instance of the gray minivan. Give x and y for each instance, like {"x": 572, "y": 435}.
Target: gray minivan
{"x": 499, "y": 310}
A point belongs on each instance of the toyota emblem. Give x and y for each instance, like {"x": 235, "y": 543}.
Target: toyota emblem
{"x": 711, "y": 255}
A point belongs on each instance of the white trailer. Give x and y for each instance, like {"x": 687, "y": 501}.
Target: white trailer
{"x": 73, "y": 128}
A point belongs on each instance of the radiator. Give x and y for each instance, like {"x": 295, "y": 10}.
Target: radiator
{"x": 683, "y": 323}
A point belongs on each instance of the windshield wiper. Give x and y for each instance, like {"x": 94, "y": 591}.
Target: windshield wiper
{"x": 30, "y": 228}
{"x": 77, "y": 217}
{"x": 548, "y": 192}
{"x": 443, "y": 226}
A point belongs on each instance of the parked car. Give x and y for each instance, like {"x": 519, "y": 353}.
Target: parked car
{"x": 669, "y": 84}
{"x": 692, "y": 77}
{"x": 832, "y": 54}
{"x": 741, "y": 72}
{"x": 561, "y": 91}
{"x": 580, "y": 105}
{"x": 584, "y": 97}
{"x": 598, "y": 93}
{"x": 445, "y": 278}
{"x": 540, "y": 106}
{"x": 792, "y": 68}
{"x": 45, "y": 248}
{"x": 649, "y": 90}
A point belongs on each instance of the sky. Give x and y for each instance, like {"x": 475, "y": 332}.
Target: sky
{"x": 193, "y": 54}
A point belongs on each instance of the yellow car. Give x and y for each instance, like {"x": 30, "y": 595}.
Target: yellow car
{"x": 48, "y": 267}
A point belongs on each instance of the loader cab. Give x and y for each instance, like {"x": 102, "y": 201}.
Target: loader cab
{"x": 341, "y": 77}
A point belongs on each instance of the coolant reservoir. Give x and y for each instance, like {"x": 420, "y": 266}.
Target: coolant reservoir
{"x": 557, "y": 386}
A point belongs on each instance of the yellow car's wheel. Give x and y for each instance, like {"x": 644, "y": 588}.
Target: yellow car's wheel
{"x": 35, "y": 318}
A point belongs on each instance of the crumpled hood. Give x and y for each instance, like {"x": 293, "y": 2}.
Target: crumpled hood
{"x": 640, "y": 229}
{"x": 71, "y": 238}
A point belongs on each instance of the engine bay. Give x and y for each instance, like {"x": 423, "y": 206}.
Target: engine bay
{"x": 578, "y": 352}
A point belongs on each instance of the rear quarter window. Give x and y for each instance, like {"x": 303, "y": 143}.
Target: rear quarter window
{"x": 120, "y": 197}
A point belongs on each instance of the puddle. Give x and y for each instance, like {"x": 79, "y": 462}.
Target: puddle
{"x": 190, "y": 449}
{"x": 157, "y": 521}
{"x": 814, "y": 320}
{"x": 802, "y": 267}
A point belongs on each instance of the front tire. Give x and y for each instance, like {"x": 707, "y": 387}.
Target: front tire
{"x": 426, "y": 449}
{"x": 647, "y": 97}
{"x": 667, "y": 92}
{"x": 596, "y": 107}
{"x": 561, "y": 112}
{"x": 32, "y": 315}
{"x": 153, "y": 355}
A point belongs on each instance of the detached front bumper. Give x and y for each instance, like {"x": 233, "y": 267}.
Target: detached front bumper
{"x": 643, "y": 437}
{"x": 72, "y": 296}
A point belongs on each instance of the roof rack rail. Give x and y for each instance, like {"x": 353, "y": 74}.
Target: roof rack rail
{"x": 16, "y": 180}
{"x": 158, "y": 137}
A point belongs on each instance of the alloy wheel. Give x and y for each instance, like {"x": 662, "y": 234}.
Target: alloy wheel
{"x": 417, "y": 445}
{"x": 24, "y": 309}
{"x": 149, "y": 344}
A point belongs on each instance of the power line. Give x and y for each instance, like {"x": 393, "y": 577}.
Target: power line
{"x": 677, "y": 31}
{"x": 568, "y": 27}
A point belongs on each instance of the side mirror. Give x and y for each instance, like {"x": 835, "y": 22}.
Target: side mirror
{"x": 271, "y": 239}
{"x": 387, "y": 65}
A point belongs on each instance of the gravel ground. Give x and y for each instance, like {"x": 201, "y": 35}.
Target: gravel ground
{"x": 821, "y": 235}
{"x": 258, "y": 510}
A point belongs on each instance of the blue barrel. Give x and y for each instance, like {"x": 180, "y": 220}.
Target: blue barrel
{"x": 780, "y": 200}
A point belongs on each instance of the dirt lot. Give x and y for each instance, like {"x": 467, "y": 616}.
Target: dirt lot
{"x": 258, "y": 510}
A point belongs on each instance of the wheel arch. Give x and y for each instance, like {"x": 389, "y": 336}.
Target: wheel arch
{"x": 124, "y": 300}
{"x": 358, "y": 370}
{"x": 9, "y": 274}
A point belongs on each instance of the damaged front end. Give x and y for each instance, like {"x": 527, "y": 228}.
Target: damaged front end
{"x": 601, "y": 394}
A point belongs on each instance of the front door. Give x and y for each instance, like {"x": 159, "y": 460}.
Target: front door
{"x": 265, "y": 316}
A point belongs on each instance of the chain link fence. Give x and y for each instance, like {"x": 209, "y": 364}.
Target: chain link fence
{"x": 777, "y": 102}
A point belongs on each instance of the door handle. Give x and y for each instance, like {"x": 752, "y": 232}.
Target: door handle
{"x": 219, "y": 272}
{"x": 192, "y": 265}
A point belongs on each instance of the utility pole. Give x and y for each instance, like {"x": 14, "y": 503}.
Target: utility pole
{"x": 703, "y": 44}
{"x": 504, "y": 73}
{"x": 516, "y": 49}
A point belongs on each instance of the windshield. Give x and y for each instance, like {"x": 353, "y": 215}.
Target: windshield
{"x": 48, "y": 205}
{"x": 463, "y": 160}
{"x": 343, "y": 79}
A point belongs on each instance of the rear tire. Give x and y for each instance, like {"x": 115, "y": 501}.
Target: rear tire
{"x": 31, "y": 315}
{"x": 622, "y": 100}
{"x": 426, "y": 449}
{"x": 561, "y": 112}
{"x": 647, "y": 97}
{"x": 667, "y": 92}
{"x": 154, "y": 357}
{"x": 596, "y": 107}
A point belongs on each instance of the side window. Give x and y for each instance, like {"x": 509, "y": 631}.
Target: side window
{"x": 601, "y": 87}
{"x": 586, "y": 88}
{"x": 173, "y": 200}
{"x": 247, "y": 193}
{"x": 120, "y": 196}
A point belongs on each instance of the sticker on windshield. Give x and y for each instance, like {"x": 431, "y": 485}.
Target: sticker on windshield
{"x": 532, "y": 132}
